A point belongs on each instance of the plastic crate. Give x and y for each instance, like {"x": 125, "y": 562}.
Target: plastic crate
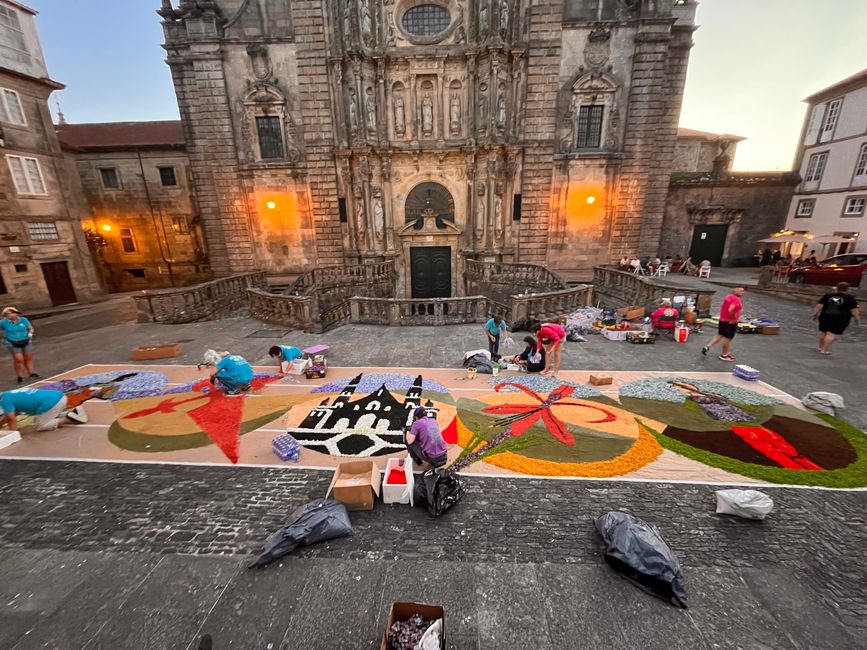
{"x": 614, "y": 335}
{"x": 746, "y": 372}
{"x": 285, "y": 447}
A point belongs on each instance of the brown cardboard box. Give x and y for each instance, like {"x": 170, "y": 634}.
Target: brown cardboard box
{"x": 771, "y": 329}
{"x": 601, "y": 380}
{"x": 149, "y": 352}
{"x": 402, "y": 611}
{"x": 631, "y": 312}
{"x": 356, "y": 483}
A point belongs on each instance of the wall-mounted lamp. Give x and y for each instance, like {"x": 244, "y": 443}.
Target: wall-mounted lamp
{"x": 271, "y": 205}
{"x": 591, "y": 200}
{"x": 106, "y": 228}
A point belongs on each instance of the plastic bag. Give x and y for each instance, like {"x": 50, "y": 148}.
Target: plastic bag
{"x": 535, "y": 357}
{"x": 638, "y": 552}
{"x": 749, "y": 504}
{"x": 438, "y": 490}
{"x": 317, "y": 521}
{"x": 823, "y": 402}
{"x": 431, "y": 638}
{"x": 508, "y": 343}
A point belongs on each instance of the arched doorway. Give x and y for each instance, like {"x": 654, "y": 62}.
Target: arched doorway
{"x": 430, "y": 265}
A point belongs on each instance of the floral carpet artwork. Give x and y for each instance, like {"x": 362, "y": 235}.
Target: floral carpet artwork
{"x": 570, "y": 430}
{"x": 120, "y": 384}
{"x": 747, "y": 433}
{"x": 201, "y": 416}
{"x": 366, "y": 415}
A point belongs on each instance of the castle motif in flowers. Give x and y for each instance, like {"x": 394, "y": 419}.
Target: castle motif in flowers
{"x": 371, "y": 425}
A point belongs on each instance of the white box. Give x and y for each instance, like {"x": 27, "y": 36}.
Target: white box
{"x": 298, "y": 366}
{"x": 614, "y": 335}
{"x": 9, "y": 438}
{"x": 399, "y": 493}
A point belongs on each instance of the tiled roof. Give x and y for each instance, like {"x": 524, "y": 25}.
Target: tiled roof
{"x": 692, "y": 133}
{"x": 858, "y": 79}
{"x": 121, "y": 135}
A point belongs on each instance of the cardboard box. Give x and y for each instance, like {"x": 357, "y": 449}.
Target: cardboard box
{"x": 601, "y": 380}
{"x": 403, "y": 611}
{"x": 631, "y": 312}
{"x": 150, "y": 352}
{"x": 771, "y": 329}
{"x": 356, "y": 484}
{"x": 9, "y": 438}
{"x": 614, "y": 335}
{"x": 399, "y": 492}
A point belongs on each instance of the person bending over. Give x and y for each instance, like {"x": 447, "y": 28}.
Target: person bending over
{"x": 494, "y": 328}
{"x": 551, "y": 337}
{"x": 424, "y": 441}
{"x": 285, "y": 355}
{"x": 232, "y": 373}
{"x": 48, "y": 407}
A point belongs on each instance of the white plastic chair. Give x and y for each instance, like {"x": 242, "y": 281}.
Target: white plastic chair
{"x": 704, "y": 271}
{"x": 662, "y": 270}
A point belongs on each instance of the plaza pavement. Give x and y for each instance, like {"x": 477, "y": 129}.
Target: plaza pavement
{"x": 104, "y": 555}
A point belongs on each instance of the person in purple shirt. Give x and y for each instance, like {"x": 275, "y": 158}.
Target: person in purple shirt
{"x": 424, "y": 441}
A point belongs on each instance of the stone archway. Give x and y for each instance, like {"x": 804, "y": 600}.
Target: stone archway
{"x": 431, "y": 199}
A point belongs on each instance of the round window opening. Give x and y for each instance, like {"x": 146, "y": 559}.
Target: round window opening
{"x": 426, "y": 20}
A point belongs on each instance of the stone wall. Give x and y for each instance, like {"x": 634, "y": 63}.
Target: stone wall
{"x": 753, "y": 204}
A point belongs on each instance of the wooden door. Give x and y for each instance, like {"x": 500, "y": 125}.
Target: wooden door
{"x": 431, "y": 271}
{"x": 58, "y": 282}
{"x": 708, "y": 243}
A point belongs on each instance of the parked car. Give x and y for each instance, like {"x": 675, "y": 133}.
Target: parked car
{"x": 840, "y": 268}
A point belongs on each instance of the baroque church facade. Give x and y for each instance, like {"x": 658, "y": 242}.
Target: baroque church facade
{"x": 428, "y": 132}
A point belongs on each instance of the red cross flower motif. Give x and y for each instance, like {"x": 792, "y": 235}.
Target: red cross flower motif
{"x": 523, "y": 416}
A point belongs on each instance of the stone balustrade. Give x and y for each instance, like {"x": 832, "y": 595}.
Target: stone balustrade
{"x": 616, "y": 288}
{"x": 501, "y": 280}
{"x": 292, "y": 311}
{"x": 199, "y": 302}
{"x": 328, "y": 277}
{"x": 420, "y": 311}
{"x": 551, "y": 304}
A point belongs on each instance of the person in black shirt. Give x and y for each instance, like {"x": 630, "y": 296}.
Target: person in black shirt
{"x": 834, "y": 311}
{"x": 528, "y": 353}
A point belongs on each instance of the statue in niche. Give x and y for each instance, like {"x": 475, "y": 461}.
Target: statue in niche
{"x": 370, "y": 108}
{"x": 427, "y": 114}
{"x": 498, "y": 212}
{"x": 483, "y": 106}
{"x": 483, "y": 18}
{"x": 460, "y": 35}
{"x": 399, "y": 115}
{"x": 504, "y": 17}
{"x": 501, "y": 111}
{"x": 455, "y": 113}
{"x": 359, "y": 220}
{"x": 378, "y": 218}
{"x": 366, "y": 25}
{"x": 481, "y": 213}
{"x": 347, "y": 20}
{"x": 389, "y": 38}
{"x": 353, "y": 113}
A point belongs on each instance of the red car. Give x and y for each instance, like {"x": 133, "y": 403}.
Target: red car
{"x": 840, "y": 268}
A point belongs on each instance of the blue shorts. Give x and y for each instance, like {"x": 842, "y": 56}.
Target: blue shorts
{"x": 15, "y": 350}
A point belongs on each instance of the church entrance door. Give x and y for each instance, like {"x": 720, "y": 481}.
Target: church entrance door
{"x": 431, "y": 271}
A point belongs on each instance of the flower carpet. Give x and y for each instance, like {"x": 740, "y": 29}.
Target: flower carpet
{"x": 702, "y": 427}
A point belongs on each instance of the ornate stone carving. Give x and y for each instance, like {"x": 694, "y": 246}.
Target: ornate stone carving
{"x": 460, "y": 32}
{"x": 501, "y": 110}
{"x": 483, "y": 107}
{"x": 427, "y": 115}
{"x": 455, "y": 113}
{"x": 498, "y": 213}
{"x": 385, "y": 169}
{"x": 483, "y": 18}
{"x": 259, "y": 61}
{"x": 504, "y": 18}
{"x": 596, "y": 51}
{"x": 370, "y": 110}
{"x": 347, "y": 21}
{"x": 481, "y": 215}
{"x": 613, "y": 124}
{"x": 378, "y": 216}
{"x": 353, "y": 112}
{"x": 389, "y": 36}
{"x": 366, "y": 23}
{"x": 399, "y": 114}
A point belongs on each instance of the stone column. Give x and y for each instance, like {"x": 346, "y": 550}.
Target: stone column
{"x": 388, "y": 204}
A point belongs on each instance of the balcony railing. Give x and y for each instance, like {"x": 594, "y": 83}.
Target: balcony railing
{"x": 617, "y": 288}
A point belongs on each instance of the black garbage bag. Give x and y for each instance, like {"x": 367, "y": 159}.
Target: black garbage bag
{"x": 317, "y": 521}
{"x": 638, "y": 552}
{"x": 438, "y": 490}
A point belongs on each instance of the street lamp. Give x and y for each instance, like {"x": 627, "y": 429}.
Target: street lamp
{"x": 271, "y": 205}
{"x": 106, "y": 227}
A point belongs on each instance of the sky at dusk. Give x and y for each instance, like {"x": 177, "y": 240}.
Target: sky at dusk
{"x": 752, "y": 64}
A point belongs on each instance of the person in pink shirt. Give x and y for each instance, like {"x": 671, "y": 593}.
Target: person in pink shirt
{"x": 551, "y": 335}
{"x": 729, "y": 317}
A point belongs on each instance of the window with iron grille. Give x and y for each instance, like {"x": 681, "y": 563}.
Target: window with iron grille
{"x": 21, "y": 268}
{"x": 426, "y": 20}
{"x": 590, "y": 127}
{"x": 10, "y": 108}
{"x": 805, "y": 208}
{"x": 42, "y": 230}
{"x": 127, "y": 240}
{"x": 110, "y": 179}
{"x": 270, "y": 137}
{"x": 861, "y": 163}
{"x": 26, "y": 174}
{"x": 180, "y": 226}
{"x": 816, "y": 167}
{"x": 854, "y": 207}
{"x": 167, "y": 176}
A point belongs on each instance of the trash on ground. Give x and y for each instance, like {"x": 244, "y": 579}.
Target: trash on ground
{"x": 317, "y": 521}
{"x": 749, "y": 504}
{"x": 438, "y": 490}
{"x": 823, "y": 402}
{"x": 638, "y": 552}
{"x": 413, "y": 626}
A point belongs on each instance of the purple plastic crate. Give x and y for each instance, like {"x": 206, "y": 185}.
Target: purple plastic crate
{"x": 286, "y": 447}
{"x": 746, "y": 372}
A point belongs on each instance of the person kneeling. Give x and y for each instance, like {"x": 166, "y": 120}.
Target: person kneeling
{"x": 232, "y": 373}
{"x": 424, "y": 441}
{"x": 48, "y": 407}
{"x": 285, "y": 355}
{"x": 531, "y": 359}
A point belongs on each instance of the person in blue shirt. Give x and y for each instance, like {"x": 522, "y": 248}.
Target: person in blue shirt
{"x": 494, "y": 328}
{"x": 48, "y": 407}
{"x": 285, "y": 355}
{"x": 233, "y": 373}
{"x": 18, "y": 339}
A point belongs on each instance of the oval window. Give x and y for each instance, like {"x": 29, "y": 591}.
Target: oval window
{"x": 426, "y": 20}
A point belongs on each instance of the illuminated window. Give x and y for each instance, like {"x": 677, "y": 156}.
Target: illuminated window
{"x": 426, "y": 20}
{"x": 180, "y": 226}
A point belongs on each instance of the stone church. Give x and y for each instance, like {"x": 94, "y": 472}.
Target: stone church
{"x": 428, "y": 132}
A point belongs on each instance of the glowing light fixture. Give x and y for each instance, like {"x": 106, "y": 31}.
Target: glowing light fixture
{"x": 271, "y": 205}
{"x": 106, "y": 228}
{"x": 591, "y": 200}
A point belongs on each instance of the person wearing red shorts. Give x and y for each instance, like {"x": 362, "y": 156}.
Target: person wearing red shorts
{"x": 729, "y": 317}
{"x": 551, "y": 335}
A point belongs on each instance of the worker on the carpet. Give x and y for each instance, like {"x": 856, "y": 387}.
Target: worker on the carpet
{"x": 551, "y": 337}
{"x": 424, "y": 441}
{"x": 48, "y": 407}
{"x": 532, "y": 359}
{"x": 285, "y": 355}
{"x": 233, "y": 372}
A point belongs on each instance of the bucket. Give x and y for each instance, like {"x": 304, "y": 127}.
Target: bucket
{"x": 681, "y": 334}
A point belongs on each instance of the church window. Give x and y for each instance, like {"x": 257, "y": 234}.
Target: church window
{"x": 426, "y": 20}
{"x": 270, "y": 137}
{"x": 590, "y": 126}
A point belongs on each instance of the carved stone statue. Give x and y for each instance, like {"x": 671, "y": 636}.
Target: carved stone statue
{"x": 501, "y": 111}
{"x": 498, "y": 213}
{"x": 347, "y": 21}
{"x": 370, "y": 108}
{"x": 366, "y": 25}
{"x": 378, "y": 218}
{"x": 427, "y": 115}
{"x": 504, "y": 17}
{"x": 455, "y": 113}
{"x": 483, "y": 18}
{"x": 399, "y": 115}
{"x": 483, "y": 106}
{"x": 481, "y": 215}
{"x": 353, "y": 113}
{"x": 359, "y": 221}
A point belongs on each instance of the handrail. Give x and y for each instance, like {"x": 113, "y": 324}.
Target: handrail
{"x": 337, "y": 276}
{"x": 520, "y": 276}
{"x": 624, "y": 287}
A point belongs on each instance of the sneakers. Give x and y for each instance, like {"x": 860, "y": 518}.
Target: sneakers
{"x": 77, "y": 415}
{"x": 21, "y": 380}
{"x": 704, "y": 350}
{"x": 726, "y": 357}
{"x": 826, "y": 352}
{"x": 34, "y": 375}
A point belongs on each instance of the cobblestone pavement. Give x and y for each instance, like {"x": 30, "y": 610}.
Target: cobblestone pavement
{"x": 104, "y": 554}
